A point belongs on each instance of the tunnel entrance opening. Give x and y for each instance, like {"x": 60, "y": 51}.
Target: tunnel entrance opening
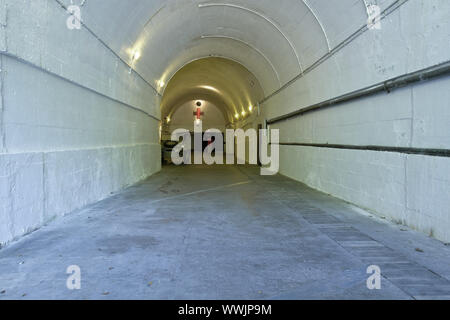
{"x": 209, "y": 93}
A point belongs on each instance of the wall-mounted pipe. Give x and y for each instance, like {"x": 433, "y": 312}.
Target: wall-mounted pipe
{"x": 404, "y": 150}
{"x": 389, "y": 10}
{"x": 387, "y": 86}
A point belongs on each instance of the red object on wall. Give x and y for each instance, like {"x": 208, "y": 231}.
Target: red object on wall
{"x": 198, "y": 113}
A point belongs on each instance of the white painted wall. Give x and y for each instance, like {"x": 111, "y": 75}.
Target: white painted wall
{"x": 413, "y": 190}
{"x": 76, "y": 124}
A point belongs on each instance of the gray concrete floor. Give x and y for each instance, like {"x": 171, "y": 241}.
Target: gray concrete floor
{"x": 223, "y": 232}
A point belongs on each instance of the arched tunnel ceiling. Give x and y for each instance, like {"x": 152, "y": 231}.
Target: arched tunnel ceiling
{"x": 274, "y": 40}
{"x": 223, "y": 82}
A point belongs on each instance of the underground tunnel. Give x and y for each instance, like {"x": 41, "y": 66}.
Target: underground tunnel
{"x": 347, "y": 102}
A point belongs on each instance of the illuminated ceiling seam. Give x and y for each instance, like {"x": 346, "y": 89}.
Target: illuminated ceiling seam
{"x": 201, "y": 58}
{"x": 319, "y": 22}
{"x": 249, "y": 45}
{"x": 206, "y": 5}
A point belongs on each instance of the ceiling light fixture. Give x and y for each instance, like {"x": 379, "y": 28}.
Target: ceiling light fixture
{"x": 136, "y": 55}
{"x": 210, "y": 88}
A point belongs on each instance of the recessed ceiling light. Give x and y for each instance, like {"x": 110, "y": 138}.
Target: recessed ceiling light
{"x": 210, "y": 88}
{"x": 136, "y": 55}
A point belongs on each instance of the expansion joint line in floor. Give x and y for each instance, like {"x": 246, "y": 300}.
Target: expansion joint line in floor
{"x": 202, "y": 191}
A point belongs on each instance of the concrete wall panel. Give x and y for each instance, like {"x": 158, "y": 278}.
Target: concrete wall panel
{"x": 384, "y": 120}
{"x": 428, "y": 194}
{"x": 21, "y": 194}
{"x": 3, "y": 22}
{"x": 35, "y": 188}
{"x": 37, "y": 32}
{"x": 2, "y": 130}
{"x": 46, "y": 113}
{"x": 71, "y": 128}
{"x": 407, "y": 189}
{"x": 77, "y": 178}
{"x": 431, "y": 106}
{"x": 412, "y": 190}
{"x": 371, "y": 180}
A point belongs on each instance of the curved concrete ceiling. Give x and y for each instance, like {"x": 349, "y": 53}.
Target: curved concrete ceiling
{"x": 223, "y": 82}
{"x": 274, "y": 40}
